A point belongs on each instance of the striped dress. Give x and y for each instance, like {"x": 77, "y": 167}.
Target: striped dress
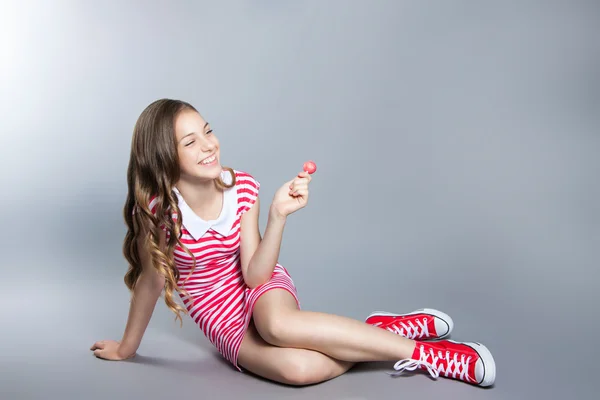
{"x": 221, "y": 303}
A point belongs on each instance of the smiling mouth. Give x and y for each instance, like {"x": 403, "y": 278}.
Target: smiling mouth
{"x": 208, "y": 160}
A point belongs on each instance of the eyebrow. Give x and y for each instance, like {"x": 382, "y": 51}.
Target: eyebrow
{"x": 191, "y": 133}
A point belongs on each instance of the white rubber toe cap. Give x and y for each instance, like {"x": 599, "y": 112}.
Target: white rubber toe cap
{"x": 485, "y": 367}
{"x": 443, "y": 323}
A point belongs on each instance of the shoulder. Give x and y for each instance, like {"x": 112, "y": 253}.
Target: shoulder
{"x": 155, "y": 204}
{"x": 152, "y": 205}
{"x": 247, "y": 187}
{"x": 245, "y": 182}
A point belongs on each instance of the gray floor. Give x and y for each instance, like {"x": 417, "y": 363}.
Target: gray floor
{"x": 50, "y": 324}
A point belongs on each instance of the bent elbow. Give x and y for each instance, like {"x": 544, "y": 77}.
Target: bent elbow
{"x": 250, "y": 284}
{"x": 255, "y": 282}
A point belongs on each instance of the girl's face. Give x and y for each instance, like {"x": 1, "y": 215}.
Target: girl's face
{"x": 197, "y": 147}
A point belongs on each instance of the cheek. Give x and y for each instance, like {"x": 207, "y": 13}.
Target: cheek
{"x": 186, "y": 160}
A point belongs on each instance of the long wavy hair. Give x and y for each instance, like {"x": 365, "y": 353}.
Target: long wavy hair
{"x": 153, "y": 171}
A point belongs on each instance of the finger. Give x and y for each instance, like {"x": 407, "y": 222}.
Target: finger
{"x": 301, "y": 181}
{"x": 295, "y": 188}
{"x": 97, "y": 345}
{"x": 296, "y": 182}
{"x": 98, "y": 353}
{"x": 300, "y": 187}
{"x": 300, "y": 192}
{"x": 304, "y": 175}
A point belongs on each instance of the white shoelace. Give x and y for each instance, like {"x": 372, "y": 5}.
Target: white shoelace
{"x": 449, "y": 365}
{"x": 410, "y": 331}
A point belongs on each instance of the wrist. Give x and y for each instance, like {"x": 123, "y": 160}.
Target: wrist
{"x": 125, "y": 354}
{"x": 276, "y": 215}
{"x": 126, "y": 349}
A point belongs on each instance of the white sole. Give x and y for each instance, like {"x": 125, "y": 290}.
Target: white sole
{"x": 489, "y": 365}
{"x": 436, "y": 313}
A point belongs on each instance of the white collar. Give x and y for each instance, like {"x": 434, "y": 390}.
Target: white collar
{"x": 197, "y": 227}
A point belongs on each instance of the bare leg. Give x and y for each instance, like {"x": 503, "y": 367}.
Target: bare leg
{"x": 287, "y": 365}
{"x": 280, "y": 323}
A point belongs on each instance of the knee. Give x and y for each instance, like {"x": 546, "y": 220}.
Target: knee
{"x": 302, "y": 371}
{"x": 275, "y": 329}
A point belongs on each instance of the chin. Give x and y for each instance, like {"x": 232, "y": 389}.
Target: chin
{"x": 218, "y": 169}
{"x": 211, "y": 173}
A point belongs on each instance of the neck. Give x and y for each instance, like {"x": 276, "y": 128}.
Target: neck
{"x": 198, "y": 193}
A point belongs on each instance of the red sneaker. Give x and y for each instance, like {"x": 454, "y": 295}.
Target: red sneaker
{"x": 425, "y": 323}
{"x": 470, "y": 362}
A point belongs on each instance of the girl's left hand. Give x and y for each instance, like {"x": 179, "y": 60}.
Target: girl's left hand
{"x": 292, "y": 196}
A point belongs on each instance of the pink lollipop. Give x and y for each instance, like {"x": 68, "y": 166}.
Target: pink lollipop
{"x": 310, "y": 167}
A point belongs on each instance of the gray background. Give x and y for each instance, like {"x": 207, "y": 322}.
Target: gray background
{"x": 457, "y": 148}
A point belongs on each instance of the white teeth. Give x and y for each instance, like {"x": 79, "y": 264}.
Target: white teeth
{"x": 209, "y": 160}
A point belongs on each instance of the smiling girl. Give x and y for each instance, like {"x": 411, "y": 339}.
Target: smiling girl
{"x": 193, "y": 229}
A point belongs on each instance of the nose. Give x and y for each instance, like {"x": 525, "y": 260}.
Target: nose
{"x": 208, "y": 145}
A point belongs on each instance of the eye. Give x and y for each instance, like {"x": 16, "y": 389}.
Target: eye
{"x": 187, "y": 144}
{"x": 209, "y": 132}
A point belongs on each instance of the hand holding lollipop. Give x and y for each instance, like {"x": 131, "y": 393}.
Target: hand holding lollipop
{"x": 293, "y": 195}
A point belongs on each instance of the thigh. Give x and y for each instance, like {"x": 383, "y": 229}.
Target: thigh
{"x": 271, "y": 314}
{"x": 275, "y": 300}
{"x": 287, "y": 365}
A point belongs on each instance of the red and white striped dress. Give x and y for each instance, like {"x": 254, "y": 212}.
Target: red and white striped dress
{"x": 222, "y": 304}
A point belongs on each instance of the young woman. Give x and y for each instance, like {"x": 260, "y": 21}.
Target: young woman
{"x": 193, "y": 228}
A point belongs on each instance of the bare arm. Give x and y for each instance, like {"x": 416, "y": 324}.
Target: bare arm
{"x": 259, "y": 255}
{"x": 146, "y": 294}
